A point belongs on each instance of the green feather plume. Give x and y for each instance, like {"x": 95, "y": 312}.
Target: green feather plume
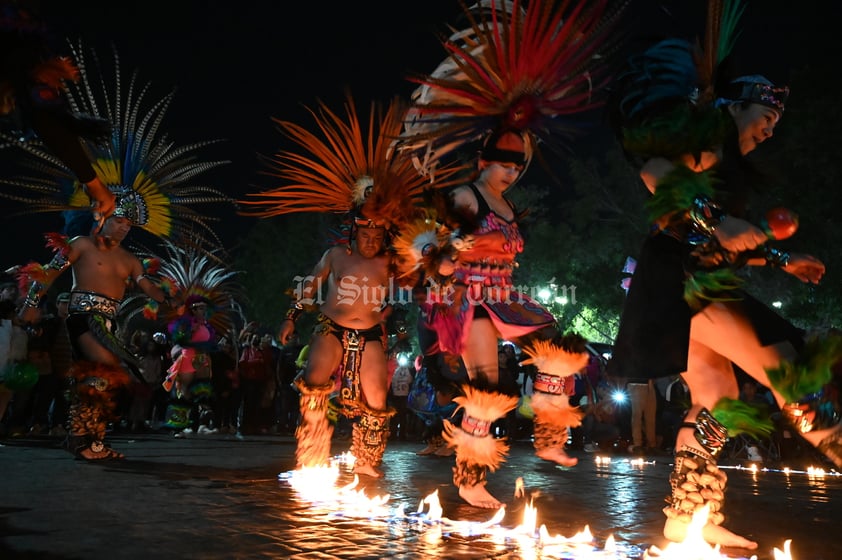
{"x": 740, "y": 417}
{"x": 711, "y": 285}
{"x": 731, "y": 13}
{"x": 685, "y": 129}
{"x": 676, "y": 191}
{"x": 810, "y": 371}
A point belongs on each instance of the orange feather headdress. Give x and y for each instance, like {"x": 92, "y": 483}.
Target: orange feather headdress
{"x": 344, "y": 168}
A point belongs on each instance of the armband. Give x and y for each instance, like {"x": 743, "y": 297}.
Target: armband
{"x": 776, "y": 258}
{"x": 35, "y": 294}
{"x": 705, "y": 214}
{"x": 140, "y": 277}
{"x": 59, "y": 262}
{"x": 294, "y": 312}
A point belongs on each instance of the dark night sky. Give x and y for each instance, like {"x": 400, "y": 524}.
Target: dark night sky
{"x": 236, "y": 65}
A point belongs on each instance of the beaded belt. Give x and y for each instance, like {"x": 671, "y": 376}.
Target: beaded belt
{"x": 89, "y": 302}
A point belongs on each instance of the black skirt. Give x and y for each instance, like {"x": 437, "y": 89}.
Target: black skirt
{"x": 654, "y": 331}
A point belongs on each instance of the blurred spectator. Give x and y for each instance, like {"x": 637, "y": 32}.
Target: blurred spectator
{"x": 42, "y": 337}
{"x": 594, "y": 395}
{"x": 643, "y": 404}
{"x": 152, "y": 369}
{"x": 753, "y": 392}
{"x": 676, "y": 402}
{"x": 398, "y": 392}
{"x": 287, "y": 401}
{"x": 599, "y": 430}
{"x": 254, "y": 375}
{"x": 226, "y": 386}
{"x": 61, "y": 357}
{"x": 13, "y": 343}
{"x": 509, "y": 384}
{"x": 269, "y": 402}
{"x": 160, "y": 396}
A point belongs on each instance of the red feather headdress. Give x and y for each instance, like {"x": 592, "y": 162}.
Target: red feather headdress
{"x": 518, "y": 67}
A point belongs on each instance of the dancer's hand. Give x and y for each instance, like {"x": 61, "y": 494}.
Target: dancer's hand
{"x": 287, "y": 328}
{"x": 806, "y": 268}
{"x": 736, "y": 235}
{"x": 103, "y": 202}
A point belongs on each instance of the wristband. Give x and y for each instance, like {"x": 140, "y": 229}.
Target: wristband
{"x": 776, "y": 258}
{"x": 294, "y": 312}
{"x": 35, "y": 295}
{"x": 705, "y": 214}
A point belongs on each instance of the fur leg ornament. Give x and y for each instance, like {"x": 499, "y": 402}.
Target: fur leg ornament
{"x": 553, "y": 417}
{"x": 556, "y": 360}
{"x": 314, "y": 430}
{"x": 554, "y": 383}
{"x": 369, "y": 436}
{"x": 476, "y": 450}
{"x": 466, "y": 473}
{"x": 93, "y": 404}
{"x": 696, "y": 482}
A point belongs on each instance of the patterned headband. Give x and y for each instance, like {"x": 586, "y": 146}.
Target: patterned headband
{"x": 765, "y": 94}
{"x": 131, "y": 205}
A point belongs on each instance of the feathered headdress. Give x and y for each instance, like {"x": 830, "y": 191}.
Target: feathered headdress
{"x": 343, "y": 168}
{"x": 149, "y": 174}
{"x": 190, "y": 275}
{"x": 522, "y": 68}
{"x": 664, "y": 96}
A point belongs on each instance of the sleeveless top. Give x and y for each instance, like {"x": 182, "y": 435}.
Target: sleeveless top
{"x": 496, "y": 243}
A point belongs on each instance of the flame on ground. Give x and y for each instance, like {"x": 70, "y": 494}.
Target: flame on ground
{"x": 694, "y": 546}
{"x": 318, "y": 485}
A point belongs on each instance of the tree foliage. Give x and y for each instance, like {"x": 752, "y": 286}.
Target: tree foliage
{"x": 274, "y": 252}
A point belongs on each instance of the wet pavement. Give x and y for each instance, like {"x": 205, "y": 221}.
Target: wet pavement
{"x": 216, "y": 496}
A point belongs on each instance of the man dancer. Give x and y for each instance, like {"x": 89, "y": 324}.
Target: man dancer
{"x": 350, "y": 333}
{"x": 152, "y": 189}
{"x": 101, "y": 269}
{"x": 359, "y": 176}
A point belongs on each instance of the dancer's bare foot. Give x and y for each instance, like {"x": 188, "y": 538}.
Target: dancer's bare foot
{"x": 479, "y": 497}
{"x": 445, "y": 451}
{"x": 557, "y": 456}
{"x": 676, "y": 531}
{"x": 368, "y": 470}
{"x": 431, "y": 448}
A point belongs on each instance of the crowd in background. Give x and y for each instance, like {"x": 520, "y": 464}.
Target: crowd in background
{"x": 253, "y": 392}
